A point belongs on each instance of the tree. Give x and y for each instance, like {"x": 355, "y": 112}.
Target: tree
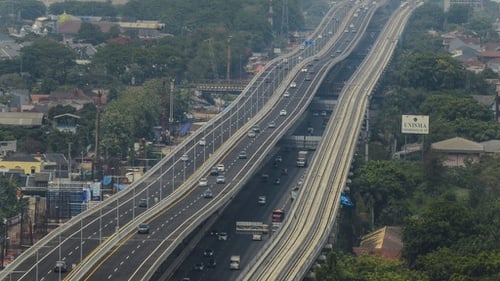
{"x": 9, "y": 203}
{"x": 441, "y": 225}
{"x": 90, "y": 33}
{"x": 346, "y": 267}
{"x": 48, "y": 60}
{"x": 383, "y": 184}
{"x": 459, "y": 14}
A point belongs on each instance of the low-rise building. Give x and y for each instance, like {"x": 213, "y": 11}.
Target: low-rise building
{"x": 457, "y": 152}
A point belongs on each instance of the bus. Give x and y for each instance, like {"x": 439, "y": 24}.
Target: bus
{"x": 278, "y": 215}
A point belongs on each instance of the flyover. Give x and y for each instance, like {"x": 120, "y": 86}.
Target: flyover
{"x": 93, "y": 233}
{"x": 291, "y": 253}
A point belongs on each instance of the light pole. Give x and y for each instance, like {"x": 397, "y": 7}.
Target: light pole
{"x": 133, "y": 204}
{"x": 59, "y": 271}
{"x": 173, "y": 174}
{"x": 184, "y": 172}
{"x": 100, "y": 224}
{"x": 81, "y": 238}
{"x": 161, "y": 181}
{"x": 117, "y": 214}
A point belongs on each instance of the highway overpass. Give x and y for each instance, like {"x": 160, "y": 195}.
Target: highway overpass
{"x": 174, "y": 209}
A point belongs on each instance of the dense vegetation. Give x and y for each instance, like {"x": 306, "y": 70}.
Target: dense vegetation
{"x": 449, "y": 215}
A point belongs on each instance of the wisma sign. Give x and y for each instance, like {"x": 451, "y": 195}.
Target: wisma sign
{"x": 415, "y": 124}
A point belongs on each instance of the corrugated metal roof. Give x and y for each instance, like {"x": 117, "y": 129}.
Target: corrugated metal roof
{"x": 388, "y": 237}
{"x": 21, "y": 118}
{"x": 458, "y": 144}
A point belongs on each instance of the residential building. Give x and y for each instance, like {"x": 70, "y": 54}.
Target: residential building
{"x": 457, "y": 152}
{"x": 476, "y": 4}
{"x": 21, "y": 161}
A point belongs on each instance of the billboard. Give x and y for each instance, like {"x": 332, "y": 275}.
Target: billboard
{"x": 415, "y": 124}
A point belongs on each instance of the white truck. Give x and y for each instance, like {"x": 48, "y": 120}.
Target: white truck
{"x": 302, "y": 158}
{"x": 234, "y": 263}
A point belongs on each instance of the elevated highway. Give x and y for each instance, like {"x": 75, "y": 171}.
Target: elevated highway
{"x": 102, "y": 244}
{"x": 291, "y": 253}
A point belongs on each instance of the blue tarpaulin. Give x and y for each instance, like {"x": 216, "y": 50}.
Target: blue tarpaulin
{"x": 345, "y": 200}
{"x": 106, "y": 180}
{"x": 120, "y": 186}
{"x": 185, "y": 129}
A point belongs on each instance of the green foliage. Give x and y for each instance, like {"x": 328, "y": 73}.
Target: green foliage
{"x": 134, "y": 114}
{"x": 9, "y": 204}
{"x": 346, "y": 267}
{"x": 26, "y": 9}
{"x": 429, "y": 16}
{"x": 90, "y": 33}
{"x": 382, "y": 186}
{"x": 459, "y": 14}
{"x": 85, "y": 8}
{"x": 441, "y": 225}
{"x": 447, "y": 264}
{"x": 49, "y": 61}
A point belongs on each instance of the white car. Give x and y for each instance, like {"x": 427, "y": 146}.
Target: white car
{"x": 283, "y": 112}
{"x": 286, "y": 94}
{"x": 208, "y": 193}
{"x": 203, "y": 182}
{"x": 261, "y": 200}
{"x": 293, "y": 85}
{"x": 251, "y": 134}
{"x": 222, "y": 236}
{"x": 202, "y": 142}
{"x": 220, "y": 168}
{"x": 185, "y": 157}
{"x": 303, "y": 70}
{"x": 220, "y": 179}
{"x": 271, "y": 124}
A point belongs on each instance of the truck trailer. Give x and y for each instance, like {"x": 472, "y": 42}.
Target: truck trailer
{"x": 234, "y": 263}
{"x": 302, "y": 158}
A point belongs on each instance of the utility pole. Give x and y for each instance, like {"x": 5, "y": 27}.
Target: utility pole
{"x": 164, "y": 109}
{"x": 96, "y": 168}
{"x": 228, "y": 62}
{"x": 69, "y": 160}
{"x": 171, "y": 113}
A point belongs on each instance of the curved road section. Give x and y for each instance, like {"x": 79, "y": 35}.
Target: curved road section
{"x": 137, "y": 256}
{"x": 291, "y": 254}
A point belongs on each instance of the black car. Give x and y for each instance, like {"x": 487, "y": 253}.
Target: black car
{"x": 214, "y": 171}
{"x": 143, "y": 203}
{"x": 143, "y": 228}
{"x": 208, "y": 253}
{"x": 212, "y": 263}
{"x": 61, "y": 266}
